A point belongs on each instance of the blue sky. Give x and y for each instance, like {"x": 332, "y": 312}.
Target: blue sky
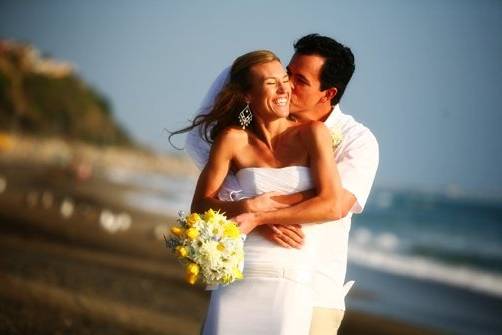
{"x": 428, "y": 78}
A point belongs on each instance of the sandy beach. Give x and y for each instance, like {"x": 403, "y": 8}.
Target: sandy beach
{"x": 68, "y": 267}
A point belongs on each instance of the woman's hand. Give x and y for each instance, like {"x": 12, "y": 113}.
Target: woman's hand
{"x": 246, "y": 222}
{"x": 264, "y": 203}
{"x": 287, "y": 236}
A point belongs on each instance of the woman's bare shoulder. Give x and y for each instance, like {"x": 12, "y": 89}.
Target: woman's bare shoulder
{"x": 232, "y": 136}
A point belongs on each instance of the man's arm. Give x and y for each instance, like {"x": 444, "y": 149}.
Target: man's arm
{"x": 325, "y": 205}
{"x": 357, "y": 165}
{"x": 291, "y": 236}
{"x": 346, "y": 200}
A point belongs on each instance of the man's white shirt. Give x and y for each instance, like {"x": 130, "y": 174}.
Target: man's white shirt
{"x": 357, "y": 158}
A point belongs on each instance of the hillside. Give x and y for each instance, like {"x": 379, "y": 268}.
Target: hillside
{"x": 44, "y": 97}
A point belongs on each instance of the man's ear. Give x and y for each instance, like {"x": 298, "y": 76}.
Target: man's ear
{"x": 329, "y": 94}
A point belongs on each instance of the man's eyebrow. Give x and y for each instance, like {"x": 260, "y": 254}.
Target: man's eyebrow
{"x": 302, "y": 77}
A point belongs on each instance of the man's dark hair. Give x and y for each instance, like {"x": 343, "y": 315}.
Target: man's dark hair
{"x": 339, "y": 61}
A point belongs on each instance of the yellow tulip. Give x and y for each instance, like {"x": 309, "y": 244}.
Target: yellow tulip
{"x": 177, "y": 231}
{"x": 192, "y": 219}
{"x": 181, "y": 251}
{"x": 209, "y": 215}
{"x": 193, "y": 268}
{"x": 191, "y": 278}
{"x": 231, "y": 231}
{"x": 192, "y": 233}
{"x": 227, "y": 279}
{"x": 238, "y": 274}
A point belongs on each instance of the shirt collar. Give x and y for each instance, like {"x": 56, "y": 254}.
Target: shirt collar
{"x": 334, "y": 116}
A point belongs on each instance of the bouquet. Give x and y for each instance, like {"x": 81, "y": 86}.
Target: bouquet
{"x": 210, "y": 247}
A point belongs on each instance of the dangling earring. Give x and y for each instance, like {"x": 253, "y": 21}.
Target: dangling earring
{"x": 245, "y": 117}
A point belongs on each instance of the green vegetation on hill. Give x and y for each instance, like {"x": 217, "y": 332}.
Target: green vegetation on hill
{"x": 42, "y": 96}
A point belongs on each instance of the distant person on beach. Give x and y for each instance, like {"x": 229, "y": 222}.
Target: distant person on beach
{"x": 319, "y": 72}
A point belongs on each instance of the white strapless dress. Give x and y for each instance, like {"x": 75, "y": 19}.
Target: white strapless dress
{"x": 276, "y": 295}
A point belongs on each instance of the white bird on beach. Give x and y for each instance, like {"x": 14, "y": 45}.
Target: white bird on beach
{"x": 113, "y": 223}
{"x": 107, "y": 221}
{"x": 124, "y": 221}
{"x": 67, "y": 208}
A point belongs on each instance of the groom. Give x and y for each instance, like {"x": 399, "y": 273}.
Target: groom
{"x": 319, "y": 71}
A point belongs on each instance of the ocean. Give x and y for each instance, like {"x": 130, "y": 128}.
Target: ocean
{"x": 430, "y": 259}
{"x": 448, "y": 239}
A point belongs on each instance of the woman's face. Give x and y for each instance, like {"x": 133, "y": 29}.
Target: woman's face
{"x": 270, "y": 90}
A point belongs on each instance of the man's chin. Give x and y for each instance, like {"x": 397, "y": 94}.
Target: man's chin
{"x": 299, "y": 115}
{"x": 297, "y": 111}
{"x": 293, "y": 109}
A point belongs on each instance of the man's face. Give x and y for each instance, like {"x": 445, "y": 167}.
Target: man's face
{"x": 305, "y": 77}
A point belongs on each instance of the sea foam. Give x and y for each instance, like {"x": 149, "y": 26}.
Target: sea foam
{"x": 382, "y": 251}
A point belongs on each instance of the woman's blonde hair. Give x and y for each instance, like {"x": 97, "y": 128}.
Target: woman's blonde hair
{"x": 231, "y": 99}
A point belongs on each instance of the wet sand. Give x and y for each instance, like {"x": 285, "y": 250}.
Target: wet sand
{"x": 70, "y": 275}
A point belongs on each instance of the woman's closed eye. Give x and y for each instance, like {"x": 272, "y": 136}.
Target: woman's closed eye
{"x": 284, "y": 81}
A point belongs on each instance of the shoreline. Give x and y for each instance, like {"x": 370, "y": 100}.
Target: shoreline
{"x": 425, "y": 303}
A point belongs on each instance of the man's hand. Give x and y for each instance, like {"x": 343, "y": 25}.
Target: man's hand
{"x": 264, "y": 203}
{"x": 287, "y": 236}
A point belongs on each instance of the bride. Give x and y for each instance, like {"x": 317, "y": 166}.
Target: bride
{"x": 252, "y": 137}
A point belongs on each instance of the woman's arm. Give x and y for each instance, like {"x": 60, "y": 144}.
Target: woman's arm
{"x": 327, "y": 202}
{"x": 213, "y": 174}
